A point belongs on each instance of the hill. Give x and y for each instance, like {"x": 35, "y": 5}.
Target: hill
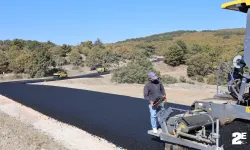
{"x": 230, "y": 39}
{"x": 168, "y": 36}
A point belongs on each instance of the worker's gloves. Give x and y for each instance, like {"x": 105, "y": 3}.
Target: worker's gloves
{"x": 152, "y": 103}
{"x": 165, "y": 98}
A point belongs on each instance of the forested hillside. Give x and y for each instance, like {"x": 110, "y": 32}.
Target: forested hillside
{"x": 229, "y": 39}
{"x": 202, "y": 51}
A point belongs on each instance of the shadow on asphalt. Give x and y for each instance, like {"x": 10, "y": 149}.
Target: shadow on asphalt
{"x": 121, "y": 120}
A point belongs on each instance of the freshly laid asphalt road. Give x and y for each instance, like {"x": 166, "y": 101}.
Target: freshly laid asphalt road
{"x": 121, "y": 120}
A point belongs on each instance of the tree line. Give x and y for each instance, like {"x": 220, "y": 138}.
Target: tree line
{"x": 40, "y": 59}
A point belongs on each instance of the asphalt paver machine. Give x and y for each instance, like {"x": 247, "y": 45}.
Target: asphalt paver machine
{"x": 198, "y": 127}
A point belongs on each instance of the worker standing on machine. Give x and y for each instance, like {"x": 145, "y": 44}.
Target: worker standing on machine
{"x": 239, "y": 70}
{"x": 153, "y": 90}
{"x": 237, "y": 74}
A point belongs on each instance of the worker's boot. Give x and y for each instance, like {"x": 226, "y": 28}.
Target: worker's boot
{"x": 155, "y": 130}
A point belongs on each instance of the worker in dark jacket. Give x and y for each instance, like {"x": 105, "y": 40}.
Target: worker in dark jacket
{"x": 153, "y": 90}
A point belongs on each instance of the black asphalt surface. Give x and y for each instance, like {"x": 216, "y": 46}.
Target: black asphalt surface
{"x": 121, "y": 120}
{"x": 55, "y": 78}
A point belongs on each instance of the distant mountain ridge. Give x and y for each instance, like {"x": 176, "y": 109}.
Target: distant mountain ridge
{"x": 228, "y": 40}
{"x": 171, "y": 35}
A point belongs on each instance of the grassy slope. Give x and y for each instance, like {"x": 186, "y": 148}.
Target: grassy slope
{"x": 229, "y": 39}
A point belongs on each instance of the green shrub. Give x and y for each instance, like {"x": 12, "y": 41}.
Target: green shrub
{"x": 191, "y": 71}
{"x": 200, "y": 79}
{"x": 147, "y": 50}
{"x": 135, "y": 72}
{"x": 75, "y": 58}
{"x": 176, "y": 54}
{"x": 101, "y": 57}
{"x": 17, "y": 64}
{"x": 40, "y": 62}
{"x": 87, "y": 44}
{"x": 168, "y": 79}
{"x": 211, "y": 79}
{"x": 200, "y": 64}
{"x": 193, "y": 78}
{"x": 3, "y": 62}
{"x": 183, "y": 79}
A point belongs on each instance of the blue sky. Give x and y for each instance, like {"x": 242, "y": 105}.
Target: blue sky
{"x": 73, "y": 21}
